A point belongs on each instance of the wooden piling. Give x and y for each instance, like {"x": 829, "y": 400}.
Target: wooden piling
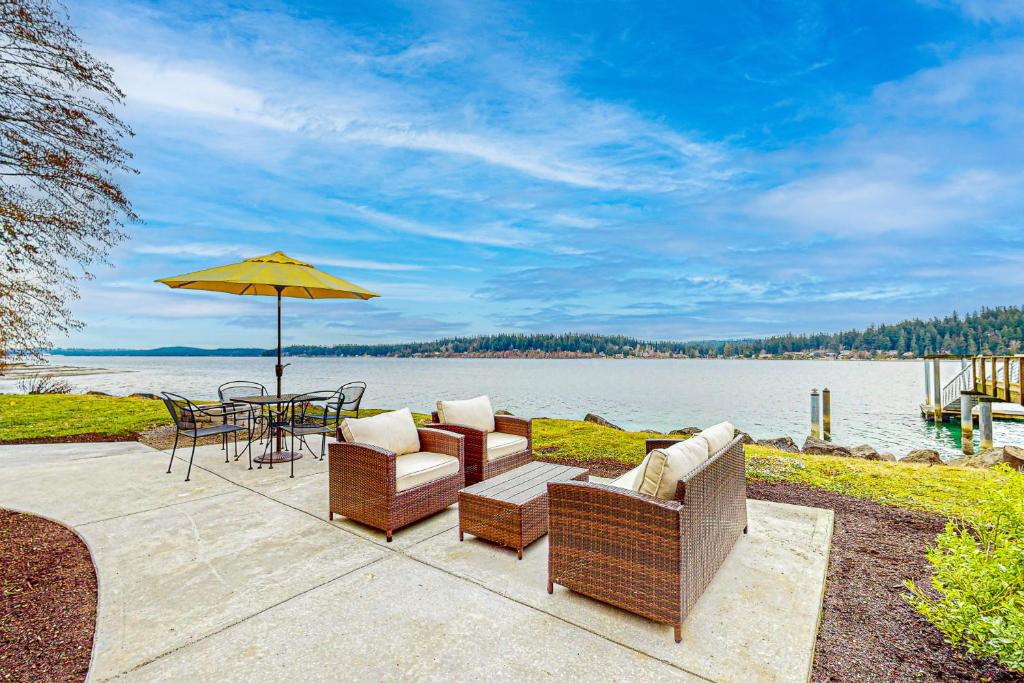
{"x": 985, "y": 423}
{"x": 815, "y": 415}
{"x": 928, "y": 381}
{"x": 966, "y": 423}
{"x": 937, "y": 391}
{"x": 826, "y": 414}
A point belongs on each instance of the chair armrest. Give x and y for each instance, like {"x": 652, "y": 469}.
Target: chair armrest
{"x": 510, "y": 424}
{"x": 438, "y": 441}
{"x": 612, "y": 496}
{"x": 652, "y": 444}
{"x": 474, "y": 440}
{"x": 361, "y": 462}
{"x": 620, "y": 546}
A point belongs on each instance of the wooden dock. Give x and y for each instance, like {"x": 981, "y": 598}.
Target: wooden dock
{"x": 987, "y": 388}
{"x": 1000, "y": 411}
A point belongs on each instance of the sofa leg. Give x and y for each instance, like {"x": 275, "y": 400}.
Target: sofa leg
{"x": 679, "y": 633}
{"x": 330, "y": 515}
{"x": 744, "y": 529}
{"x": 551, "y": 586}
{"x": 388, "y": 534}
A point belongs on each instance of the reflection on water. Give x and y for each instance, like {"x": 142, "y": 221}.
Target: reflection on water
{"x": 872, "y": 402}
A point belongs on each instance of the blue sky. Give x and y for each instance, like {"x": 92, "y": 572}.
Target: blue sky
{"x": 663, "y": 170}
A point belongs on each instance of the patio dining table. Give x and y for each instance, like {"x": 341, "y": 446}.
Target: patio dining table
{"x": 279, "y": 454}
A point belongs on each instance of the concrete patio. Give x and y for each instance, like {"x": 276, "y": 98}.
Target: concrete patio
{"x": 238, "y": 575}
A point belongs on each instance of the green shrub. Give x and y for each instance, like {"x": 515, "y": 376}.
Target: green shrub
{"x": 978, "y": 577}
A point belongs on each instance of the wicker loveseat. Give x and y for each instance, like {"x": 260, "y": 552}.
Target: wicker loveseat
{"x": 494, "y": 443}
{"x": 650, "y": 556}
{"x": 386, "y": 473}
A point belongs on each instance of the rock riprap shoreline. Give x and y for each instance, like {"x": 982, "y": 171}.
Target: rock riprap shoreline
{"x": 1011, "y": 455}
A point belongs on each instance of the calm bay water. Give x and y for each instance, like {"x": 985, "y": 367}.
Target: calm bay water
{"x": 872, "y": 402}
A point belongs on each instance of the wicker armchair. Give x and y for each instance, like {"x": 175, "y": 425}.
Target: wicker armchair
{"x": 646, "y": 555}
{"x": 478, "y": 465}
{"x": 363, "y": 483}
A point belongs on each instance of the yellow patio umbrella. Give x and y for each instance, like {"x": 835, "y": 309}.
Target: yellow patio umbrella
{"x": 272, "y": 275}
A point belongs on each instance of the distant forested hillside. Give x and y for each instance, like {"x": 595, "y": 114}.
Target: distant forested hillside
{"x": 162, "y": 351}
{"x": 997, "y": 330}
{"x": 991, "y": 330}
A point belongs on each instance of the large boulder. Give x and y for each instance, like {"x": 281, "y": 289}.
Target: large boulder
{"x": 143, "y": 394}
{"x": 865, "y": 452}
{"x": 685, "y": 431}
{"x": 745, "y": 438}
{"x": 925, "y": 455}
{"x": 780, "y": 443}
{"x": 887, "y": 457}
{"x": 598, "y": 420}
{"x": 820, "y": 447}
{"x": 502, "y": 412}
{"x": 1012, "y": 455}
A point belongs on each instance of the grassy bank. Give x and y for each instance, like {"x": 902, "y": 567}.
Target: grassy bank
{"x": 67, "y": 415}
{"x": 950, "y": 491}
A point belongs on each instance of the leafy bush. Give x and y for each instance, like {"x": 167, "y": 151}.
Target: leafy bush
{"x": 977, "y": 587}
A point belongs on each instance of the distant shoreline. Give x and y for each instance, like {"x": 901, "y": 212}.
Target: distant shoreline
{"x": 22, "y": 371}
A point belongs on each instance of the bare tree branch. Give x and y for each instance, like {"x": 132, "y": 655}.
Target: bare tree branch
{"x": 61, "y": 208}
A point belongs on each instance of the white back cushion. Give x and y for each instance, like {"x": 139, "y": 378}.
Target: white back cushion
{"x": 718, "y": 436}
{"x": 665, "y": 467}
{"x": 472, "y": 412}
{"x": 394, "y": 431}
{"x": 630, "y": 480}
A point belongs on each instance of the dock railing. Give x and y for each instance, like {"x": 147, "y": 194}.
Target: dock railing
{"x": 998, "y": 377}
{"x": 964, "y": 381}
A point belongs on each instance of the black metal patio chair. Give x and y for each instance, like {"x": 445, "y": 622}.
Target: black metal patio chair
{"x": 186, "y": 416}
{"x": 311, "y": 414}
{"x": 239, "y": 389}
{"x": 349, "y": 396}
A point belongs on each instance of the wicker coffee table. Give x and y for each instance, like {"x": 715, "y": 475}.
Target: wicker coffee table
{"x": 511, "y": 509}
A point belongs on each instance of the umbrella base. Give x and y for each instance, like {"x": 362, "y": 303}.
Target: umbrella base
{"x": 277, "y": 456}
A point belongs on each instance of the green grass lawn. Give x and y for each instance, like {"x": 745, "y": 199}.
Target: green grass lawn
{"x": 951, "y": 491}
{"x": 578, "y": 440}
{"x": 53, "y": 415}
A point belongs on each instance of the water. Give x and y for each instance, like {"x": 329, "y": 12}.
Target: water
{"x": 872, "y": 402}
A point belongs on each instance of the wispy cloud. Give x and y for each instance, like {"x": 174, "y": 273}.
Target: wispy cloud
{"x": 734, "y": 171}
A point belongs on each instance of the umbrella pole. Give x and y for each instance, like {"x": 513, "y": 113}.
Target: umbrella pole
{"x": 279, "y": 369}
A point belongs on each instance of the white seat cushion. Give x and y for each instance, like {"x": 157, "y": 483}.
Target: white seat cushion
{"x": 629, "y": 479}
{"x": 416, "y": 469}
{"x": 394, "y": 431}
{"x": 472, "y": 412}
{"x": 718, "y": 436}
{"x": 500, "y": 444}
{"x": 666, "y": 466}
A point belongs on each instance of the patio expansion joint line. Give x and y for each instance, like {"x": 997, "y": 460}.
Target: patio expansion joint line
{"x": 159, "y": 507}
{"x": 404, "y": 552}
{"x": 237, "y": 622}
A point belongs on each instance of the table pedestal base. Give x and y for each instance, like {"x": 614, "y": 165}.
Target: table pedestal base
{"x": 277, "y": 456}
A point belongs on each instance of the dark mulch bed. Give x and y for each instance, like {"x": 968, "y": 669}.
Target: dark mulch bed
{"x": 89, "y": 437}
{"x": 868, "y": 633}
{"x": 48, "y": 603}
